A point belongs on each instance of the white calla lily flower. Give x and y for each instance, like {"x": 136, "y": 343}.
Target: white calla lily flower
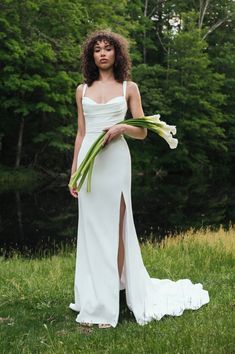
{"x": 152, "y": 123}
{"x": 172, "y": 142}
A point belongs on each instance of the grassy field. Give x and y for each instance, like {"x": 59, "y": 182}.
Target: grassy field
{"x": 35, "y": 294}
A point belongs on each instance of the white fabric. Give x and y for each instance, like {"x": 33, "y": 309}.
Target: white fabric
{"x": 124, "y": 88}
{"x": 97, "y": 284}
{"x": 84, "y": 89}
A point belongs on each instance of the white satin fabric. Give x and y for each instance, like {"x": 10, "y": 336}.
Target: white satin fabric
{"x": 97, "y": 285}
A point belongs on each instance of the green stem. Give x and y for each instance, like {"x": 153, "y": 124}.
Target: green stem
{"x": 86, "y": 167}
{"x": 82, "y": 167}
{"x": 89, "y": 176}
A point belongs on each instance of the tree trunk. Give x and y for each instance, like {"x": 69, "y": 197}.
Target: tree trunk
{"x": 202, "y": 11}
{"x": 144, "y": 34}
{"x": 20, "y": 143}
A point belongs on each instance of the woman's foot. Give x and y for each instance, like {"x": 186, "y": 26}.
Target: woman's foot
{"x": 86, "y": 324}
{"x": 104, "y": 325}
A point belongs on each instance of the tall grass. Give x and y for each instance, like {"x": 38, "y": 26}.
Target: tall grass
{"x": 35, "y": 293}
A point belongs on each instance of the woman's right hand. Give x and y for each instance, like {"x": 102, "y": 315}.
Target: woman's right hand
{"x": 73, "y": 192}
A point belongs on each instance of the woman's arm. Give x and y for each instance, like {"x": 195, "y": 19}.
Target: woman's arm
{"x": 135, "y": 106}
{"x": 80, "y": 134}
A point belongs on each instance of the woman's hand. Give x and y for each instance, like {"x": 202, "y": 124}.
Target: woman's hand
{"x": 113, "y": 132}
{"x": 73, "y": 191}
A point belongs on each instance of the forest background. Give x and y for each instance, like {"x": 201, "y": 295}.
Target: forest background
{"x": 183, "y": 62}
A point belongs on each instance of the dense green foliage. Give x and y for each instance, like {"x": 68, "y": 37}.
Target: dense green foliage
{"x": 35, "y": 294}
{"x": 183, "y": 61}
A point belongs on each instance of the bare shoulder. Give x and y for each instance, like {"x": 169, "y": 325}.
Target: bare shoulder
{"x": 79, "y": 90}
{"x": 132, "y": 90}
{"x": 132, "y": 86}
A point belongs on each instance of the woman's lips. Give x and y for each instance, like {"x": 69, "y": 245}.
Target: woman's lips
{"x": 103, "y": 61}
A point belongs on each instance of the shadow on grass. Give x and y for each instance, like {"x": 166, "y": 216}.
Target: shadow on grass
{"x": 125, "y": 315}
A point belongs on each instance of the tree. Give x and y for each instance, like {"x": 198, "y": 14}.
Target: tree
{"x": 38, "y": 64}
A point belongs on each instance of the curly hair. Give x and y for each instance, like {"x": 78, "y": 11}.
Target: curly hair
{"x": 122, "y": 65}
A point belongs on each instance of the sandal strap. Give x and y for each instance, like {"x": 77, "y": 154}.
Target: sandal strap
{"x": 104, "y": 325}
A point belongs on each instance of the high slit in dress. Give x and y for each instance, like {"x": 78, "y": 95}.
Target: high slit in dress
{"x": 97, "y": 284}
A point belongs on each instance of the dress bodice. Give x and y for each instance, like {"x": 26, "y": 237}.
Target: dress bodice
{"x": 102, "y": 115}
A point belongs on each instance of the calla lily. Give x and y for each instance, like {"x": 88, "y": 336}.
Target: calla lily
{"x": 152, "y": 123}
{"x": 169, "y": 139}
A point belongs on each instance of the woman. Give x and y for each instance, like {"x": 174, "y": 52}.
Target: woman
{"x": 108, "y": 254}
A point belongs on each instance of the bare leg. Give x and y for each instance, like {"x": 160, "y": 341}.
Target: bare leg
{"x": 120, "y": 248}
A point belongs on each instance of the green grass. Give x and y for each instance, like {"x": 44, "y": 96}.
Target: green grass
{"x": 35, "y": 294}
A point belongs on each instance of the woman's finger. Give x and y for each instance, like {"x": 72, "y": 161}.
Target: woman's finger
{"x": 109, "y": 138}
{"x": 74, "y": 193}
{"x": 106, "y": 138}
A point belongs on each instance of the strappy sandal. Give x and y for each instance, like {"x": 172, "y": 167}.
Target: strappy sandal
{"x": 86, "y": 324}
{"x": 104, "y": 325}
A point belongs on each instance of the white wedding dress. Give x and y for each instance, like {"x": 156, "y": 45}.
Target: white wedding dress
{"x": 97, "y": 284}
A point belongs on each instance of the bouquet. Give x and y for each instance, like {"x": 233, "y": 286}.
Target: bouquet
{"x": 152, "y": 123}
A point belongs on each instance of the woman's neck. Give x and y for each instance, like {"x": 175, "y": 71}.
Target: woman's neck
{"x": 106, "y": 75}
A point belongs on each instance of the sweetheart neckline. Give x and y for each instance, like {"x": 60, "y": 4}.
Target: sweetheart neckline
{"x": 105, "y": 102}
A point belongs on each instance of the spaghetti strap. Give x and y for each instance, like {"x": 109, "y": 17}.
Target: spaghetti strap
{"x": 97, "y": 280}
{"x": 124, "y": 88}
{"x": 84, "y": 89}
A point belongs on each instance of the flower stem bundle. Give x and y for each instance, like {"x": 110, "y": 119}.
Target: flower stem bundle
{"x": 152, "y": 123}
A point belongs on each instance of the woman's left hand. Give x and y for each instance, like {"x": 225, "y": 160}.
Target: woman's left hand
{"x": 113, "y": 132}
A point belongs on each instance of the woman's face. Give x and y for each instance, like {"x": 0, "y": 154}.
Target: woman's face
{"x": 104, "y": 54}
